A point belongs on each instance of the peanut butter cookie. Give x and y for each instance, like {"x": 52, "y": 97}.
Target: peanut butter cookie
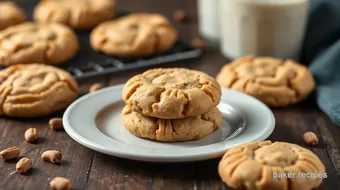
{"x": 275, "y": 82}
{"x": 37, "y": 43}
{"x": 79, "y": 14}
{"x": 32, "y": 90}
{"x": 10, "y": 14}
{"x": 191, "y": 128}
{"x": 271, "y": 166}
{"x": 172, "y": 93}
{"x": 139, "y": 34}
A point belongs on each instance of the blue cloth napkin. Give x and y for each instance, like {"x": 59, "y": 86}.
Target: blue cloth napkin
{"x": 321, "y": 51}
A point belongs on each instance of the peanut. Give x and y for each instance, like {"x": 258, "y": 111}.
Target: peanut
{"x": 60, "y": 183}
{"x": 52, "y": 156}
{"x": 180, "y": 15}
{"x": 10, "y": 153}
{"x": 95, "y": 87}
{"x": 310, "y": 138}
{"x": 23, "y": 165}
{"x": 31, "y": 134}
{"x": 56, "y": 123}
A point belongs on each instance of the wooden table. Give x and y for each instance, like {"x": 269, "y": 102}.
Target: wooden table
{"x": 88, "y": 169}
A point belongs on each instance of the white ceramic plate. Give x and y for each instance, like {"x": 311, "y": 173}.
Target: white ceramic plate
{"x": 94, "y": 121}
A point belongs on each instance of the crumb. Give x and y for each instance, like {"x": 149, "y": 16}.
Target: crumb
{"x": 180, "y": 15}
{"x": 198, "y": 43}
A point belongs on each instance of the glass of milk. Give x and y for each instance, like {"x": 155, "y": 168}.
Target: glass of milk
{"x": 262, "y": 27}
{"x": 208, "y": 20}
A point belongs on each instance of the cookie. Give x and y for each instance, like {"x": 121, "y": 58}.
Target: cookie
{"x": 10, "y": 14}
{"x": 139, "y": 34}
{"x": 172, "y": 93}
{"x": 259, "y": 165}
{"x": 167, "y": 130}
{"x": 37, "y": 43}
{"x": 33, "y": 90}
{"x": 275, "y": 82}
{"x": 79, "y": 14}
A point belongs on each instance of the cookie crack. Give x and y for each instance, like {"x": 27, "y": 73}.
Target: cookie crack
{"x": 133, "y": 90}
{"x": 210, "y": 94}
{"x": 174, "y": 131}
{"x": 6, "y": 91}
{"x": 207, "y": 120}
{"x": 158, "y": 99}
{"x": 34, "y": 100}
{"x": 186, "y": 105}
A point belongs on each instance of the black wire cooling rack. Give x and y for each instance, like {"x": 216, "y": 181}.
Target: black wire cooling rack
{"x": 87, "y": 63}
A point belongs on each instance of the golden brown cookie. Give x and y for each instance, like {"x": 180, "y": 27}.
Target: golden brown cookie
{"x": 191, "y": 128}
{"x": 37, "y": 43}
{"x": 172, "y": 93}
{"x": 79, "y": 14}
{"x": 10, "y": 14}
{"x": 32, "y": 90}
{"x": 259, "y": 166}
{"x": 275, "y": 82}
{"x": 139, "y": 34}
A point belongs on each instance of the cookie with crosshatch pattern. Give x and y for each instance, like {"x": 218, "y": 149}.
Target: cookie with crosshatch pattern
{"x": 172, "y": 93}
{"x": 171, "y": 130}
{"x": 79, "y": 14}
{"x": 253, "y": 166}
{"x": 33, "y": 90}
{"x": 10, "y": 14}
{"x": 138, "y": 34}
{"x": 274, "y": 81}
{"x": 37, "y": 43}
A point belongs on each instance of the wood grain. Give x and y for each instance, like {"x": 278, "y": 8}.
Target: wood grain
{"x": 91, "y": 170}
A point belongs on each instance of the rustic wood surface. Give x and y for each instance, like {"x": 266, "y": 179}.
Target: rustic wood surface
{"x": 88, "y": 169}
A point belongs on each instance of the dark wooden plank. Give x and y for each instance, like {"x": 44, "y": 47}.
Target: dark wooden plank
{"x": 76, "y": 158}
{"x": 206, "y": 175}
{"x": 330, "y": 136}
{"x": 116, "y": 173}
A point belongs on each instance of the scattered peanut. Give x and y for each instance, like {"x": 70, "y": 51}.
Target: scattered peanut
{"x": 52, "y": 156}
{"x": 198, "y": 43}
{"x": 95, "y": 87}
{"x": 23, "y": 165}
{"x": 10, "y": 153}
{"x": 60, "y": 183}
{"x": 310, "y": 138}
{"x": 31, "y": 134}
{"x": 180, "y": 15}
{"x": 56, "y": 123}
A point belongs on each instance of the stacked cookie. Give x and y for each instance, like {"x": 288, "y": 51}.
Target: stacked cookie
{"x": 171, "y": 104}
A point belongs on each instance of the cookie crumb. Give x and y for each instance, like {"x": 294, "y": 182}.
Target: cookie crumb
{"x": 180, "y": 15}
{"x": 198, "y": 43}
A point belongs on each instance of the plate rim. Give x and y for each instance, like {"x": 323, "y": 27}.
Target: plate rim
{"x": 163, "y": 157}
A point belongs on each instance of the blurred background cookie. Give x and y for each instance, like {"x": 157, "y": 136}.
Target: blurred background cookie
{"x": 191, "y": 128}
{"x": 32, "y": 90}
{"x": 37, "y": 43}
{"x": 10, "y": 14}
{"x": 79, "y": 14}
{"x": 274, "y": 81}
{"x": 172, "y": 93}
{"x": 253, "y": 166}
{"x": 139, "y": 34}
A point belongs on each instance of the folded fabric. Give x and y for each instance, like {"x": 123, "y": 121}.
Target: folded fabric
{"x": 321, "y": 51}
